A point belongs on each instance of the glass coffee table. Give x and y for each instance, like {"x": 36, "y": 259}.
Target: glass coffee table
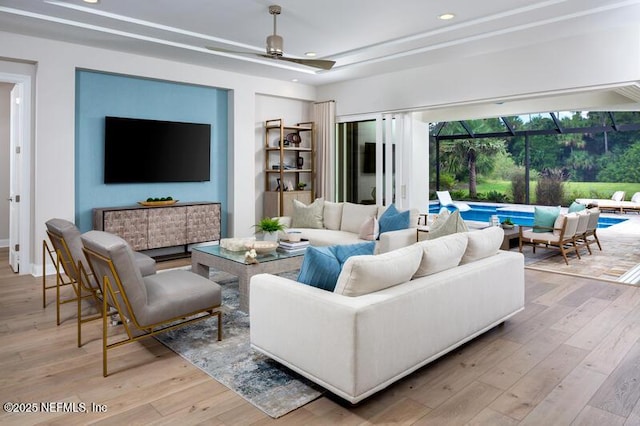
{"x": 233, "y": 262}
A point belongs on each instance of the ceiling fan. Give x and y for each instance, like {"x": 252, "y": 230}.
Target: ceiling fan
{"x": 274, "y": 47}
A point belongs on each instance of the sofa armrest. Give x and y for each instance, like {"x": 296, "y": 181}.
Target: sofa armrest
{"x": 302, "y": 327}
{"x": 396, "y": 239}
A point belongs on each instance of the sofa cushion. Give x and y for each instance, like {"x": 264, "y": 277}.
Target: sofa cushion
{"x": 367, "y": 274}
{"x": 545, "y": 217}
{"x": 307, "y": 216}
{"x": 328, "y": 237}
{"x": 393, "y": 220}
{"x": 483, "y": 243}
{"x": 441, "y": 254}
{"x": 370, "y": 229}
{"x": 332, "y": 215}
{"x": 321, "y": 265}
{"x": 353, "y": 216}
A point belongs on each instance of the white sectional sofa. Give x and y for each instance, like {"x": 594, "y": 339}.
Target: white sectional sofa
{"x": 357, "y": 345}
{"x": 340, "y": 223}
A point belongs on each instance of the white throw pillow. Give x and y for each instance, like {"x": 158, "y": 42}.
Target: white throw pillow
{"x": 370, "y": 229}
{"x": 367, "y": 274}
{"x": 441, "y": 254}
{"x": 353, "y": 215}
{"x": 332, "y": 215}
{"x": 483, "y": 243}
{"x": 307, "y": 216}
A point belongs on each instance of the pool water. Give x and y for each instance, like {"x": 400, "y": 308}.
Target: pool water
{"x": 483, "y": 213}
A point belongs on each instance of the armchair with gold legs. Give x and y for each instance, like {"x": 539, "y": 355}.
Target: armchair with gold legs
{"x": 62, "y": 235}
{"x": 146, "y": 305}
{"x": 68, "y": 258}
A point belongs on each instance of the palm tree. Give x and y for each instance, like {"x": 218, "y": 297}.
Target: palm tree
{"x": 470, "y": 153}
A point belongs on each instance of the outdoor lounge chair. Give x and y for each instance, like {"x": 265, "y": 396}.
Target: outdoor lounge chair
{"x": 633, "y": 205}
{"x": 615, "y": 203}
{"x": 445, "y": 201}
{"x": 561, "y": 236}
{"x": 146, "y": 305}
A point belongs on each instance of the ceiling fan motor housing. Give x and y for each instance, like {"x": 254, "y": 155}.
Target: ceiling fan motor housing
{"x": 274, "y": 45}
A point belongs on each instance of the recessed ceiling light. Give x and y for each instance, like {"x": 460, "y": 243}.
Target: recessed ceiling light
{"x": 310, "y": 54}
{"x": 92, "y": 1}
{"x": 295, "y": 80}
{"x": 446, "y": 16}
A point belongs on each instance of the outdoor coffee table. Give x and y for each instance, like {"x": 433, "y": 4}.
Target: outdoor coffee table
{"x": 233, "y": 262}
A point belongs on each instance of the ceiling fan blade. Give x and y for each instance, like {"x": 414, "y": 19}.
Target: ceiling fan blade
{"x": 220, "y": 49}
{"x": 316, "y": 63}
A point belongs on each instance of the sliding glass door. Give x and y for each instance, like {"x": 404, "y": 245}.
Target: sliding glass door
{"x": 383, "y": 159}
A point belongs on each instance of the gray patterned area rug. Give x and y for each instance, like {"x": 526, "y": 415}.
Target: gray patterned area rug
{"x": 266, "y": 384}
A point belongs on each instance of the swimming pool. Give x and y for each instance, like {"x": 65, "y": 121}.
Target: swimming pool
{"x": 483, "y": 213}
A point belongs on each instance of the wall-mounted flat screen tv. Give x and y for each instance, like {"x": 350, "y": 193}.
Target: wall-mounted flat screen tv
{"x": 146, "y": 151}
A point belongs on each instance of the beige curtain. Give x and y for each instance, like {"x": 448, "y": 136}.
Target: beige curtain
{"x": 324, "y": 116}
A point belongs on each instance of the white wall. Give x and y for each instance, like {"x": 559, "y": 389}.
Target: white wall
{"x": 53, "y": 169}
{"x": 5, "y": 113}
{"x": 573, "y": 64}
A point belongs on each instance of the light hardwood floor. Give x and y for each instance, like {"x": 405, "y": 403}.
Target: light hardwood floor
{"x": 571, "y": 357}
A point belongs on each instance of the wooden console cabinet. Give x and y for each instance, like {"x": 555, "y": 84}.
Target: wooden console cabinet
{"x": 146, "y": 228}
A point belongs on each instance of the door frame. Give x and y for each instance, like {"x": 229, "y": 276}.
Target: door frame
{"x": 25, "y": 84}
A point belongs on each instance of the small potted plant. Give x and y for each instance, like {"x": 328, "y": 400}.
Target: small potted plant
{"x": 269, "y": 228}
{"x": 301, "y": 186}
{"x": 507, "y": 224}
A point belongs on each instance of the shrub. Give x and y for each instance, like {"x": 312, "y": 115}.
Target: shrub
{"x": 518, "y": 186}
{"x": 459, "y": 195}
{"x": 447, "y": 181}
{"x": 497, "y": 197}
{"x": 550, "y": 188}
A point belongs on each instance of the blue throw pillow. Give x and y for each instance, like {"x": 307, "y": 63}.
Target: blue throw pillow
{"x": 576, "y": 207}
{"x": 322, "y": 265}
{"x": 393, "y": 220}
{"x": 320, "y": 268}
{"x": 544, "y": 216}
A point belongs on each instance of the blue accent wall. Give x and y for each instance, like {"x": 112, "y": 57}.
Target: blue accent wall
{"x": 102, "y": 94}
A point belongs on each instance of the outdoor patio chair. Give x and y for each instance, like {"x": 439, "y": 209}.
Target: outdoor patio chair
{"x": 70, "y": 266}
{"x": 579, "y": 237}
{"x": 445, "y": 200}
{"x": 146, "y": 305}
{"x": 591, "y": 235}
{"x": 560, "y": 237}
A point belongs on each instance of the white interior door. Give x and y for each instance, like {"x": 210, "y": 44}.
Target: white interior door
{"x": 17, "y": 117}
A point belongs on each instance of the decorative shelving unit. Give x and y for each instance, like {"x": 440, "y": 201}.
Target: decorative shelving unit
{"x": 289, "y": 161}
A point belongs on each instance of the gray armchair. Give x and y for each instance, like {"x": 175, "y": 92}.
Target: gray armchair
{"x": 146, "y": 305}
{"x": 71, "y": 269}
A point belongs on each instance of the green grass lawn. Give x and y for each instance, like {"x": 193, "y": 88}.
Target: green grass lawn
{"x": 572, "y": 189}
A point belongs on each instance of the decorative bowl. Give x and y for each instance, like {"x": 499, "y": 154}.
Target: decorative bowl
{"x": 294, "y": 236}
{"x": 507, "y": 226}
{"x": 235, "y": 244}
{"x": 262, "y": 247}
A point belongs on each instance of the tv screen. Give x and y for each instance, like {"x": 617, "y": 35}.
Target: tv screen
{"x": 145, "y": 151}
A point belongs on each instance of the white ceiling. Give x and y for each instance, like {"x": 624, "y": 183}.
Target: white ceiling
{"x": 364, "y": 37}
